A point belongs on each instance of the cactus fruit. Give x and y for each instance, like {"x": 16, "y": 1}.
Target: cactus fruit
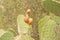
{"x": 26, "y": 19}
{"x": 30, "y": 20}
{"x": 28, "y": 11}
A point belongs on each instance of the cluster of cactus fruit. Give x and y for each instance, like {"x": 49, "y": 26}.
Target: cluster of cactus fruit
{"x": 26, "y": 19}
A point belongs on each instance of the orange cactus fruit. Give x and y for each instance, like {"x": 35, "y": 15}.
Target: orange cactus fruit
{"x": 30, "y": 20}
{"x": 28, "y": 11}
{"x": 26, "y": 19}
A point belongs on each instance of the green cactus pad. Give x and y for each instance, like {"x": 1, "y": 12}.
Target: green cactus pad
{"x": 23, "y": 27}
{"x": 52, "y": 6}
{"x": 26, "y": 37}
{"x": 46, "y": 29}
{"x": 9, "y": 35}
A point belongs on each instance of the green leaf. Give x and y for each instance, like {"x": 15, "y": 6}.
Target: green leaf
{"x": 46, "y": 30}
{"x": 9, "y": 35}
{"x": 52, "y": 6}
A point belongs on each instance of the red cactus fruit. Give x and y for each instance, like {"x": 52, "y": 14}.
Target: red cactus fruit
{"x": 28, "y": 11}
{"x": 26, "y": 19}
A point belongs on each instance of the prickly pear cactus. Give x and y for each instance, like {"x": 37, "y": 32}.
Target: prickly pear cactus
{"x": 46, "y": 28}
{"x": 22, "y": 26}
{"x": 24, "y": 29}
{"x": 26, "y": 37}
{"x": 52, "y": 6}
{"x": 8, "y": 35}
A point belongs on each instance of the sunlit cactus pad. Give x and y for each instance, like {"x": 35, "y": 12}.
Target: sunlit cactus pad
{"x": 46, "y": 28}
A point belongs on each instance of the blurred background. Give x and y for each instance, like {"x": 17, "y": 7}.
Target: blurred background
{"x": 10, "y": 9}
